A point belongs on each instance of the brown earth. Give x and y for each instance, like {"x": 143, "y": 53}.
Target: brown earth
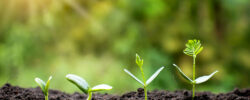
{"x": 8, "y": 92}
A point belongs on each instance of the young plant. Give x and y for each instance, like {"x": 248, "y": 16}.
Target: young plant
{"x": 145, "y": 83}
{"x": 193, "y": 48}
{"x": 84, "y": 87}
{"x": 44, "y": 87}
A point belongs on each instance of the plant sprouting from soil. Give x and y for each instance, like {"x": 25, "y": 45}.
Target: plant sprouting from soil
{"x": 193, "y": 48}
{"x": 145, "y": 83}
{"x": 44, "y": 86}
{"x": 84, "y": 87}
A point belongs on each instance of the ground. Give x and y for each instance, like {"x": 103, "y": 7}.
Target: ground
{"x": 9, "y": 92}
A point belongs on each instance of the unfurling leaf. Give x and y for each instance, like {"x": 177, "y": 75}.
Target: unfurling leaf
{"x": 47, "y": 84}
{"x": 154, "y": 76}
{"x": 139, "y": 61}
{"x": 79, "y": 82}
{"x": 129, "y": 73}
{"x": 204, "y": 78}
{"x": 101, "y": 87}
{"x": 44, "y": 87}
{"x": 193, "y": 47}
{"x": 182, "y": 74}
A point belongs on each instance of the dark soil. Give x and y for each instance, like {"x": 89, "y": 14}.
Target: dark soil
{"x": 8, "y": 92}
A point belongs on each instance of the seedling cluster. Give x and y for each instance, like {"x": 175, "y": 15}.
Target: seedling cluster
{"x": 193, "y": 48}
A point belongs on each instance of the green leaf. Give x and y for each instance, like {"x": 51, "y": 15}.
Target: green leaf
{"x": 41, "y": 84}
{"x": 154, "y": 75}
{"x": 101, "y": 87}
{"x": 47, "y": 85}
{"x": 129, "y": 73}
{"x": 79, "y": 82}
{"x": 139, "y": 61}
{"x": 199, "y": 50}
{"x": 204, "y": 78}
{"x": 193, "y": 47}
{"x": 182, "y": 74}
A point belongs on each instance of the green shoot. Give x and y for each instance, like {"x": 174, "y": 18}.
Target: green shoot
{"x": 44, "y": 87}
{"x": 145, "y": 83}
{"x": 84, "y": 87}
{"x": 193, "y": 48}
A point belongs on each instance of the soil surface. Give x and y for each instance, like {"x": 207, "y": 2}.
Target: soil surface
{"x": 8, "y": 92}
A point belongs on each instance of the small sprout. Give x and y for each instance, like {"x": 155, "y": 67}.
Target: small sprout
{"x": 193, "y": 48}
{"x": 145, "y": 83}
{"x": 44, "y": 87}
{"x": 84, "y": 86}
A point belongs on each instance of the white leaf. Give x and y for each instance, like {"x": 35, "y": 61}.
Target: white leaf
{"x": 79, "y": 82}
{"x": 204, "y": 78}
{"x": 129, "y": 73}
{"x": 154, "y": 76}
{"x": 101, "y": 87}
{"x": 41, "y": 84}
{"x": 182, "y": 74}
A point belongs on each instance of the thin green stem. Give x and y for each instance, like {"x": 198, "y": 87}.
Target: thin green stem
{"x": 194, "y": 56}
{"x": 46, "y": 97}
{"x": 90, "y": 96}
{"x": 144, "y": 82}
{"x": 193, "y": 92}
{"x": 145, "y": 93}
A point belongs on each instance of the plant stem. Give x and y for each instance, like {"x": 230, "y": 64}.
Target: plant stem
{"x": 90, "y": 96}
{"x": 193, "y": 92}
{"x": 46, "y": 97}
{"x": 145, "y": 93}
{"x": 194, "y": 56}
{"x": 144, "y": 81}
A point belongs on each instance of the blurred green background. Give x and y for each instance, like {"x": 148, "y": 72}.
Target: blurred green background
{"x": 97, "y": 39}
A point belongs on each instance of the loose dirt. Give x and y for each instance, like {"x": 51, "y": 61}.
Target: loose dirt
{"x": 9, "y": 92}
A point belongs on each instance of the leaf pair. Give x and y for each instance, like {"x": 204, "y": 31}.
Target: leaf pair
{"x": 84, "y": 86}
{"x": 197, "y": 80}
{"x": 44, "y": 87}
{"x": 193, "y": 47}
{"x": 149, "y": 80}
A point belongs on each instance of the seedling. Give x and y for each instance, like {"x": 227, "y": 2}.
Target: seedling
{"x": 193, "y": 48}
{"x": 84, "y": 87}
{"x": 145, "y": 83}
{"x": 44, "y": 87}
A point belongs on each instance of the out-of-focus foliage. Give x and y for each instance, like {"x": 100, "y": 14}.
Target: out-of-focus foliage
{"x": 97, "y": 38}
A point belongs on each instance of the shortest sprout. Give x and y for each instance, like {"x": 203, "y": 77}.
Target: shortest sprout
{"x": 44, "y": 87}
{"x": 84, "y": 87}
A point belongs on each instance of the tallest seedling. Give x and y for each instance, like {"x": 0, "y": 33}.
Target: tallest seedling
{"x": 193, "y": 48}
{"x": 145, "y": 83}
